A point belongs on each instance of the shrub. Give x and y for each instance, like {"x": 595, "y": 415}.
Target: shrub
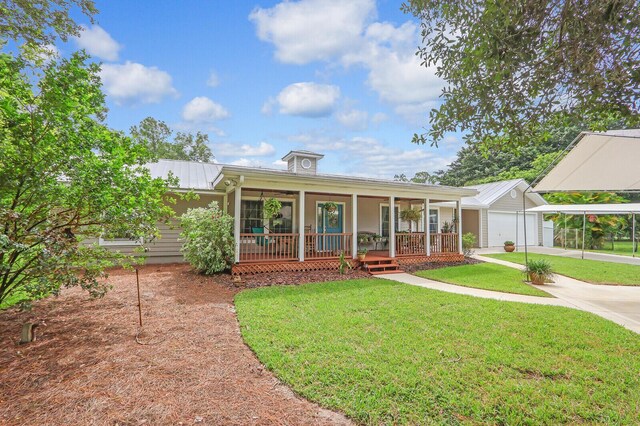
{"x": 468, "y": 242}
{"x": 509, "y": 243}
{"x": 208, "y": 239}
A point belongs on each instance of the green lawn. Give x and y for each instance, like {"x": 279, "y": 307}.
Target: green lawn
{"x": 487, "y": 276}
{"x": 390, "y": 353}
{"x": 593, "y": 271}
{"x": 624, "y": 248}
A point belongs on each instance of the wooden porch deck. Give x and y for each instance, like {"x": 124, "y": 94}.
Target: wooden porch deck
{"x": 333, "y": 264}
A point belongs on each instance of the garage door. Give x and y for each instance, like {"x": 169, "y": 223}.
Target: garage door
{"x": 502, "y": 227}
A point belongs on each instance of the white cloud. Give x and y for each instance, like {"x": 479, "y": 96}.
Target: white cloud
{"x": 203, "y": 110}
{"x": 353, "y": 119}
{"x": 309, "y": 30}
{"x": 135, "y": 83}
{"x": 263, "y": 149}
{"x": 339, "y": 32}
{"x": 379, "y": 117}
{"x": 97, "y": 42}
{"x": 213, "y": 80}
{"x": 365, "y": 156}
{"x": 307, "y": 99}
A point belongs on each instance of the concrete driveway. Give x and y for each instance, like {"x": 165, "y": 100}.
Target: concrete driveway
{"x": 620, "y": 304}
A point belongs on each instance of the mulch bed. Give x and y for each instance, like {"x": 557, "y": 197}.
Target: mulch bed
{"x": 192, "y": 366}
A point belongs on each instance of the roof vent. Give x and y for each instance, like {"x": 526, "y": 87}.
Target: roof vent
{"x": 302, "y": 162}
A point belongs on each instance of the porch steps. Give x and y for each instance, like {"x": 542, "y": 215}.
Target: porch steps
{"x": 381, "y": 265}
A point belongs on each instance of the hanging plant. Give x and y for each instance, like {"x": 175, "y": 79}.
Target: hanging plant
{"x": 330, "y": 206}
{"x": 271, "y": 208}
{"x": 410, "y": 215}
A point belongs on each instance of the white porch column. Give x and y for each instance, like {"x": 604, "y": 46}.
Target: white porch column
{"x": 354, "y": 225}
{"x": 225, "y": 203}
{"x": 459, "y": 208}
{"x": 236, "y": 220}
{"x": 301, "y": 241}
{"x": 427, "y": 230}
{"x": 392, "y": 226}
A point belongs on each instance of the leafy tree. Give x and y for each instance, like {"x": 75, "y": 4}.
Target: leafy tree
{"x": 512, "y": 67}
{"x": 65, "y": 177}
{"x": 419, "y": 177}
{"x": 208, "y": 238}
{"x": 537, "y": 167}
{"x": 38, "y": 21}
{"x": 157, "y": 137}
{"x": 475, "y": 165}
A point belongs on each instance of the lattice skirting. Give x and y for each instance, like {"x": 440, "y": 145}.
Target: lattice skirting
{"x": 332, "y": 264}
{"x": 437, "y": 258}
{"x": 312, "y": 265}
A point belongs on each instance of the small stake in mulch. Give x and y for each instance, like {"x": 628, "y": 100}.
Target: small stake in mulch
{"x": 139, "y": 302}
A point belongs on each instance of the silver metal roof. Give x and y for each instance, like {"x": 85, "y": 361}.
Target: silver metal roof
{"x": 489, "y": 193}
{"x": 191, "y": 174}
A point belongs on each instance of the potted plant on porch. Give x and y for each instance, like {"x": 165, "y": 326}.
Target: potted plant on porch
{"x": 539, "y": 271}
{"x": 509, "y": 246}
{"x": 362, "y": 253}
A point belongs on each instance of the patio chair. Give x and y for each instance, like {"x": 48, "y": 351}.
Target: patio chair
{"x": 261, "y": 240}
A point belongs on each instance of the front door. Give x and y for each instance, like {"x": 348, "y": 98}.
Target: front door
{"x": 330, "y": 222}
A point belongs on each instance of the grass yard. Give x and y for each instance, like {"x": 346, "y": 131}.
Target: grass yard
{"x": 487, "y": 276}
{"x": 593, "y": 271}
{"x": 624, "y": 248}
{"x": 385, "y": 352}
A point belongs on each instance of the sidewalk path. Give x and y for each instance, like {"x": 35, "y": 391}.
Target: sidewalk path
{"x": 576, "y": 254}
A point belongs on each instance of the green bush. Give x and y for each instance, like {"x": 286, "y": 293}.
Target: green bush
{"x": 468, "y": 242}
{"x": 208, "y": 239}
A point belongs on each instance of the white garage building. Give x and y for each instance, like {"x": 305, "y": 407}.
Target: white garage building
{"x": 495, "y": 214}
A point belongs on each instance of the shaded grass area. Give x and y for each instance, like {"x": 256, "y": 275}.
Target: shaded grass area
{"x": 593, "y": 271}
{"x": 487, "y": 276}
{"x": 385, "y": 352}
{"x": 619, "y": 247}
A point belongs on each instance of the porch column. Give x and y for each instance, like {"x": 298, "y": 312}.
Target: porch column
{"x": 301, "y": 244}
{"x": 427, "y": 231}
{"x": 459, "y": 208}
{"x": 225, "y": 202}
{"x": 354, "y": 225}
{"x": 236, "y": 221}
{"x": 392, "y": 226}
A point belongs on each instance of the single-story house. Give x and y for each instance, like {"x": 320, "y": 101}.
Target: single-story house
{"x": 322, "y": 215}
{"x": 495, "y": 214}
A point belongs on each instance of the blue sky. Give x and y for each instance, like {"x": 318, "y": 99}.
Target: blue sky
{"x": 339, "y": 77}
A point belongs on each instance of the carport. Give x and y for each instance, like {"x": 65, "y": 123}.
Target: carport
{"x": 593, "y": 162}
{"x": 594, "y": 209}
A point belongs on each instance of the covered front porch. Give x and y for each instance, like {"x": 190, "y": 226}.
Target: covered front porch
{"x": 313, "y": 229}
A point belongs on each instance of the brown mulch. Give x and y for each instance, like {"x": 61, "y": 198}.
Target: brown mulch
{"x": 193, "y": 367}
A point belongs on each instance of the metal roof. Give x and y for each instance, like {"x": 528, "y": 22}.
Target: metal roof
{"x": 191, "y": 174}
{"x": 489, "y": 193}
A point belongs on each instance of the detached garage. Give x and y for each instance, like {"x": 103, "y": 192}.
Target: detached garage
{"x": 497, "y": 211}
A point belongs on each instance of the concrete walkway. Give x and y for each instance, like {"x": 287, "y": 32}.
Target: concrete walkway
{"x": 620, "y": 304}
{"x": 470, "y": 291}
{"x": 576, "y": 254}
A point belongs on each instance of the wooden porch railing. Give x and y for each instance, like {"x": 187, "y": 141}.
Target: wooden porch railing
{"x": 410, "y": 243}
{"x": 326, "y": 246}
{"x": 268, "y": 247}
{"x": 444, "y": 243}
{"x": 275, "y": 247}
